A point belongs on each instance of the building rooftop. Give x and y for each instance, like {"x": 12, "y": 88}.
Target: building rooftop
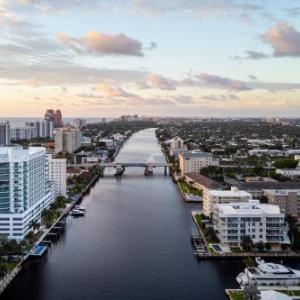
{"x": 251, "y": 207}
{"x": 19, "y": 153}
{"x": 205, "y": 181}
{"x": 283, "y": 192}
{"x": 195, "y": 153}
{"x": 234, "y": 192}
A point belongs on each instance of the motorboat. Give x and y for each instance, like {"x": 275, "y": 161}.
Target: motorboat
{"x": 81, "y": 208}
{"x": 269, "y": 274}
{"x": 77, "y": 213}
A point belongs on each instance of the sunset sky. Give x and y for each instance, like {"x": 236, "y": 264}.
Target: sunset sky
{"x": 95, "y": 58}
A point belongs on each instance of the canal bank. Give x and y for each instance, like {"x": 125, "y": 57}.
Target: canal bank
{"x": 134, "y": 243}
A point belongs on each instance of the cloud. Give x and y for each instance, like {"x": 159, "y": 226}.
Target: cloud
{"x": 284, "y": 39}
{"x": 255, "y": 55}
{"x": 293, "y": 11}
{"x": 223, "y": 82}
{"x": 89, "y": 95}
{"x": 252, "y": 77}
{"x": 110, "y": 90}
{"x": 104, "y": 44}
{"x": 196, "y": 8}
{"x": 213, "y": 97}
{"x": 183, "y": 99}
{"x": 160, "y": 82}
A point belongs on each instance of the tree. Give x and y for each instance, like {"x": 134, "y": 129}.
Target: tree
{"x": 247, "y": 243}
{"x": 251, "y": 292}
{"x": 260, "y": 246}
{"x": 268, "y": 246}
{"x": 285, "y": 163}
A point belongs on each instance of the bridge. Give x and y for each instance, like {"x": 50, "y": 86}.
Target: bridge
{"x": 121, "y": 166}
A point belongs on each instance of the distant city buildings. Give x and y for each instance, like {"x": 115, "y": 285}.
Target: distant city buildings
{"x": 67, "y": 139}
{"x": 261, "y": 222}
{"x": 4, "y": 133}
{"x": 58, "y": 174}
{"x": 25, "y": 189}
{"x": 194, "y": 161}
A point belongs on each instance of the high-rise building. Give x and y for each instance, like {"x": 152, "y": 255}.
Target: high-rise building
{"x": 79, "y": 123}
{"x": 58, "y": 123}
{"x": 58, "y": 174}
{"x": 55, "y": 117}
{"x": 46, "y": 130}
{"x": 4, "y": 133}
{"x": 25, "y": 189}
{"x": 67, "y": 139}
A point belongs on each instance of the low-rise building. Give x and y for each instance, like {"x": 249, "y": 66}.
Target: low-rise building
{"x": 261, "y": 222}
{"x": 194, "y": 161}
{"x": 287, "y": 200}
{"x": 213, "y": 197}
{"x": 202, "y": 182}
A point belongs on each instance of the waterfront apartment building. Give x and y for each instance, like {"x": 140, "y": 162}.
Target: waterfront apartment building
{"x": 194, "y": 161}
{"x": 4, "y": 133}
{"x": 25, "y": 190}
{"x": 58, "y": 175}
{"x": 67, "y": 139}
{"x": 213, "y": 197}
{"x": 177, "y": 145}
{"x": 262, "y": 222}
{"x": 287, "y": 200}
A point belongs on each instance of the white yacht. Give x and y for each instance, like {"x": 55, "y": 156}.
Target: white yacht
{"x": 269, "y": 274}
{"x": 77, "y": 212}
{"x": 81, "y": 208}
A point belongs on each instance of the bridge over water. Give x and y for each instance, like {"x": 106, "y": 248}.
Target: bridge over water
{"x": 121, "y": 166}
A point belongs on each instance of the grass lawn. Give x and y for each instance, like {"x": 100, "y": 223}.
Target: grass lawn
{"x": 236, "y": 295}
{"x": 236, "y": 250}
{"x": 187, "y": 188}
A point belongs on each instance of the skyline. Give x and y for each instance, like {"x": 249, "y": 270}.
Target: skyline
{"x": 197, "y": 58}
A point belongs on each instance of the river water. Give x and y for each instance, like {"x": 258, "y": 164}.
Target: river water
{"x": 134, "y": 243}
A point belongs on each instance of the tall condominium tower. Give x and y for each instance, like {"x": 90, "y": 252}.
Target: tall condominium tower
{"x": 67, "y": 139}
{"x": 25, "y": 189}
{"x": 55, "y": 117}
{"x": 58, "y": 123}
{"x": 4, "y": 133}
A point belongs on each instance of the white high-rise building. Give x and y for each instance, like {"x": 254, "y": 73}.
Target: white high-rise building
{"x": 67, "y": 139}
{"x": 261, "y": 222}
{"x": 58, "y": 175}
{"x": 25, "y": 189}
{"x": 4, "y": 133}
{"x": 213, "y": 197}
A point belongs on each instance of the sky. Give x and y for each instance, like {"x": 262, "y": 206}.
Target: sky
{"x": 105, "y": 58}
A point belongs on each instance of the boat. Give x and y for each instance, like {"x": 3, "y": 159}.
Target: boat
{"x": 77, "y": 213}
{"x": 81, "y": 208}
{"x": 269, "y": 274}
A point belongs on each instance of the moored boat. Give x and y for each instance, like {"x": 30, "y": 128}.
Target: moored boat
{"x": 269, "y": 274}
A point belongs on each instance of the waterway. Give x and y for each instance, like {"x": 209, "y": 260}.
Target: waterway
{"x": 134, "y": 243}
